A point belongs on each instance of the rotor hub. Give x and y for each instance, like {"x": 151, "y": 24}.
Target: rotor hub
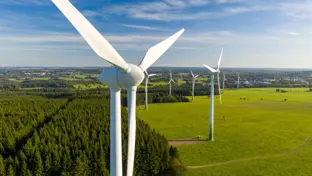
{"x": 120, "y": 79}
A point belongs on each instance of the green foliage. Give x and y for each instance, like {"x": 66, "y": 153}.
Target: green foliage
{"x": 76, "y": 142}
{"x": 2, "y": 167}
{"x": 19, "y": 116}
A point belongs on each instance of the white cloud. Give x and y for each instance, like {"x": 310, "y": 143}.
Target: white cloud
{"x": 90, "y": 13}
{"x": 25, "y": 2}
{"x": 198, "y": 2}
{"x": 178, "y": 3}
{"x": 293, "y": 33}
{"x": 229, "y": 1}
{"x": 298, "y": 9}
{"x": 244, "y": 9}
{"x": 142, "y": 27}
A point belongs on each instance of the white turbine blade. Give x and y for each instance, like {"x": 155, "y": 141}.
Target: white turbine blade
{"x": 220, "y": 95}
{"x": 169, "y": 81}
{"x": 173, "y": 81}
{"x": 155, "y": 52}
{"x": 152, "y": 75}
{"x": 96, "y": 41}
{"x": 219, "y": 62}
{"x": 196, "y": 76}
{"x": 210, "y": 68}
{"x": 192, "y": 73}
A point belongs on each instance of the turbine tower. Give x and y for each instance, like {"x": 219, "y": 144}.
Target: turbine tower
{"x": 120, "y": 76}
{"x": 218, "y": 75}
{"x": 193, "y": 84}
{"x": 147, "y": 76}
{"x": 211, "y": 117}
{"x": 238, "y": 79}
{"x": 171, "y": 80}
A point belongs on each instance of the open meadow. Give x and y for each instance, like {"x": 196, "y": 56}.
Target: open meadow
{"x": 269, "y": 129}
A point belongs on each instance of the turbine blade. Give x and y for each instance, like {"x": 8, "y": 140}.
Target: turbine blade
{"x": 96, "y": 41}
{"x": 192, "y": 73}
{"x": 210, "y": 68}
{"x": 173, "y": 81}
{"x": 196, "y": 76}
{"x": 219, "y": 62}
{"x": 155, "y": 52}
{"x": 152, "y": 75}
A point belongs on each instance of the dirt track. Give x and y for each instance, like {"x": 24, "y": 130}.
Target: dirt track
{"x": 253, "y": 158}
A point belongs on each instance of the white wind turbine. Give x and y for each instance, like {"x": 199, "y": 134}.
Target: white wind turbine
{"x": 218, "y": 75}
{"x": 211, "y": 116}
{"x": 171, "y": 80}
{"x": 224, "y": 79}
{"x": 193, "y": 84}
{"x": 238, "y": 80}
{"x": 120, "y": 75}
{"x": 147, "y": 76}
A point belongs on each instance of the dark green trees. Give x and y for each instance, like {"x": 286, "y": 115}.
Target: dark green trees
{"x": 76, "y": 142}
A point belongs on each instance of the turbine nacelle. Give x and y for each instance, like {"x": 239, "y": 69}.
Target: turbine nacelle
{"x": 119, "y": 79}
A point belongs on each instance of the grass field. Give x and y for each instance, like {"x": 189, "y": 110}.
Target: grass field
{"x": 89, "y": 86}
{"x": 253, "y": 127}
{"x": 15, "y": 80}
{"x": 42, "y": 78}
{"x": 67, "y": 78}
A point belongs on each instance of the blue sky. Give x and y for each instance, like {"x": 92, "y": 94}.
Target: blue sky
{"x": 253, "y": 33}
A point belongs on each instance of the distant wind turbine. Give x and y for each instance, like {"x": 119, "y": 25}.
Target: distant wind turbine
{"x": 171, "y": 80}
{"x": 238, "y": 79}
{"x": 147, "y": 76}
{"x": 224, "y": 79}
{"x": 193, "y": 84}
{"x": 211, "y": 119}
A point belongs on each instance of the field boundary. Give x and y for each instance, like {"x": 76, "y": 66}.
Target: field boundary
{"x": 254, "y": 158}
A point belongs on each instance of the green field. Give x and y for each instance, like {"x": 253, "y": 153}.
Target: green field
{"x": 15, "y": 80}
{"x": 89, "y": 86}
{"x": 67, "y": 78}
{"x": 252, "y": 128}
{"x": 42, "y": 78}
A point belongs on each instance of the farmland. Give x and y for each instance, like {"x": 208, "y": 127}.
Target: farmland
{"x": 250, "y": 123}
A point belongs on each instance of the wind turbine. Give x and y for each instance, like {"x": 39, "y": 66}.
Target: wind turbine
{"x": 147, "y": 76}
{"x": 238, "y": 79}
{"x": 211, "y": 117}
{"x": 171, "y": 80}
{"x": 224, "y": 79}
{"x": 218, "y": 75}
{"x": 193, "y": 84}
{"x": 120, "y": 76}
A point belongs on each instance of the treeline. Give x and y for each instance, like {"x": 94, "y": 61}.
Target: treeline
{"x": 76, "y": 142}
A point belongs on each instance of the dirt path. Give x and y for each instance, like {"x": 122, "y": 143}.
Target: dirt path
{"x": 253, "y": 158}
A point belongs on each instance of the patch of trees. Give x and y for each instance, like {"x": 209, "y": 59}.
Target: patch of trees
{"x": 20, "y": 115}
{"x": 76, "y": 142}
